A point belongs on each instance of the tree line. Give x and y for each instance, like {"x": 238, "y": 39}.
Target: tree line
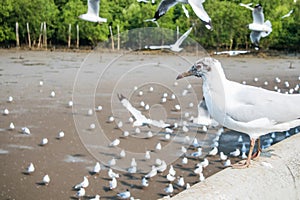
{"x": 228, "y": 18}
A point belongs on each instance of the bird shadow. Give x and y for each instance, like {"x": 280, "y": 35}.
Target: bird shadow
{"x": 40, "y": 183}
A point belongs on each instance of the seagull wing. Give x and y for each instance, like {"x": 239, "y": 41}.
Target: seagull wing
{"x": 183, "y": 37}
{"x": 200, "y": 12}
{"x": 258, "y": 15}
{"x": 247, "y": 103}
{"x": 163, "y": 7}
{"x": 186, "y": 12}
{"x": 247, "y": 6}
{"x": 136, "y": 113}
{"x": 93, "y": 7}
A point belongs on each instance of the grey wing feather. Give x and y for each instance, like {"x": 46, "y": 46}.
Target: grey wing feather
{"x": 163, "y": 7}
{"x": 252, "y": 103}
{"x": 183, "y": 37}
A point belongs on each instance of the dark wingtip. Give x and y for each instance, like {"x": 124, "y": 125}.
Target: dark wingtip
{"x": 121, "y": 97}
{"x": 180, "y": 76}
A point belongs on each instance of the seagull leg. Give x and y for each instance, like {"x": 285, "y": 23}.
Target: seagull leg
{"x": 245, "y": 163}
{"x": 257, "y": 153}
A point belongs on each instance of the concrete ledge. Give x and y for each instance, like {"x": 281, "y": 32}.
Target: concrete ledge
{"x": 275, "y": 177}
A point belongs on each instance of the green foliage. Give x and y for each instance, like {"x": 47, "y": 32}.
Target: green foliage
{"x": 228, "y": 18}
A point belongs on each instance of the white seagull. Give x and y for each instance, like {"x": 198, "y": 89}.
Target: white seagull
{"x": 259, "y": 28}
{"x": 83, "y": 184}
{"x": 248, "y": 109}
{"x": 173, "y": 47}
{"x": 232, "y": 53}
{"x": 124, "y": 195}
{"x": 113, "y": 183}
{"x": 92, "y": 14}
{"x": 80, "y": 193}
{"x": 30, "y": 169}
{"x": 97, "y": 168}
{"x": 196, "y": 5}
{"x": 46, "y": 179}
{"x": 140, "y": 119}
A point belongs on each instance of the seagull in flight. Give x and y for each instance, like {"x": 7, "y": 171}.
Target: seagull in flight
{"x": 247, "y": 6}
{"x": 140, "y": 119}
{"x": 244, "y": 108}
{"x": 196, "y": 5}
{"x": 92, "y": 14}
{"x": 173, "y": 47}
{"x": 259, "y": 27}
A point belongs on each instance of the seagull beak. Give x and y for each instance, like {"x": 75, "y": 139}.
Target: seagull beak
{"x": 184, "y": 74}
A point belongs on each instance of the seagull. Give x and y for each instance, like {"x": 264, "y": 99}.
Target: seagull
{"x": 213, "y": 152}
{"x": 184, "y": 161}
{"x": 259, "y": 27}
{"x": 169, "y": 189}
{"x": 227, "y": 163}
{"x": 152, "y": 173}
{"x": 180, "y": 182}
{"x": 243, "y": 108}
{"x": 80, "y": 192}
{"x": 92, "y": 14}
{"x": 30, "y": 169}
{"x": 114, "y": 143}
{"x": 162, "y": 167}
{"x": 196, "y": 5}
{"x": 145, "y": 182}
{"x": 140, "y": 119}
{"x": 44, "y": 142}
{"x": 83, "y": 184}
{"x": 5, "y": 111}
{"x": 52, "y": 94}
{"x": 112, "y": 162}
{"x": 172, "y": 171}
{"x": 147, "y": 155}
{"x": 170, "y": 177}
{"x": 113, "y": 183}
{"x": 287, "y": 15}
{"x": 112, "y": 174}
{"x": 97, "y": 168}
{"x": 97, "y": 197}
{"x": 173, "y": 47}
{"x": 122, "y": 153}
{"x": 223, "y": 156}
{"x": 60, "y": 135}
{"x": 124, "y": 195}
{"x": 204, "y": 163}
{"x": 10, "y": 99}
{"x": 158, "y": 146}
{"x": 198, "y": 153}
{"x": 46, "y": 179}
{"x": 11, "y": 126}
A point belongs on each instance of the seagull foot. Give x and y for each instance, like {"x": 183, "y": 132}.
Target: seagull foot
{"x": 241, "y": 165}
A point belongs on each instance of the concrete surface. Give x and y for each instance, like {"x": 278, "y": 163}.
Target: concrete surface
{"x": 276, "y": 176}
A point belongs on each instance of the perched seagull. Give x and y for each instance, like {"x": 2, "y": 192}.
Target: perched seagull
{"x": 169, "y": 189}
{"x": 140, "y": 119}
{"x": 147, "y": 155}
{"x": 97, "y": 168}
{"x": 145, "y": 182}
{"x": 114, "y": 143}
{"x": 223, "y": 156}
{"x": 259, "y": 27}
{"x": 113, "y": 183}
{"x": 122, "y": 153}
{"x": 287, "y": 15}
{"x": 152, "y": 173}
{"x": 97, "y": 197}
{"x": 196, "y": 5}
{"x": 186, "y": 12}
{"x": 10, "y": 99}
{"x": 11, "y": 126}
{"x": 198, "y": 153}
{"x": 124, "y": 195}
{"x": 248, "y": 109}
{"x": 46, "y": 179}
{"x": 170, "y": 177}
{"x": 162, "y": 167}
{"x": 227, "y": 163}
{"x": 158, "y": 146}
{"x": 44, "y": 142}
{"x": 30, "y": 169}
{"x": 172, "y": 170}
{"x": 213, "y": 152}
{"x": 173, "y": 47}
{"x": 83, "y": 184}
{"x": 112, "y": 174}
{"x": 80, "y": 192}
{"x": 180, "y": 182}
{"x": 60, "y": 135}
{"x": 92, "y": 14}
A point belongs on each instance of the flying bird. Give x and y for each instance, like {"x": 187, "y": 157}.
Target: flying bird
{"x": 140, "y": 119}
{"x": 196, "y": 5}
{"x": 92, "y": 14}
{"x": 259, "y": 28}
{"x": 173, "y": 47}
{"x": 244, "y": 108}
{"x": 287, "y": 15}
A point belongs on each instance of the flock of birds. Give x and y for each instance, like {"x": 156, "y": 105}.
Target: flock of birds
{"x": 259, "y": 27}
{"x": 176, "y": 181}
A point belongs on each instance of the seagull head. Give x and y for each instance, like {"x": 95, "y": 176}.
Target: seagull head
{"x": 201, "y": 68}
{"x": 258, "y": 7}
